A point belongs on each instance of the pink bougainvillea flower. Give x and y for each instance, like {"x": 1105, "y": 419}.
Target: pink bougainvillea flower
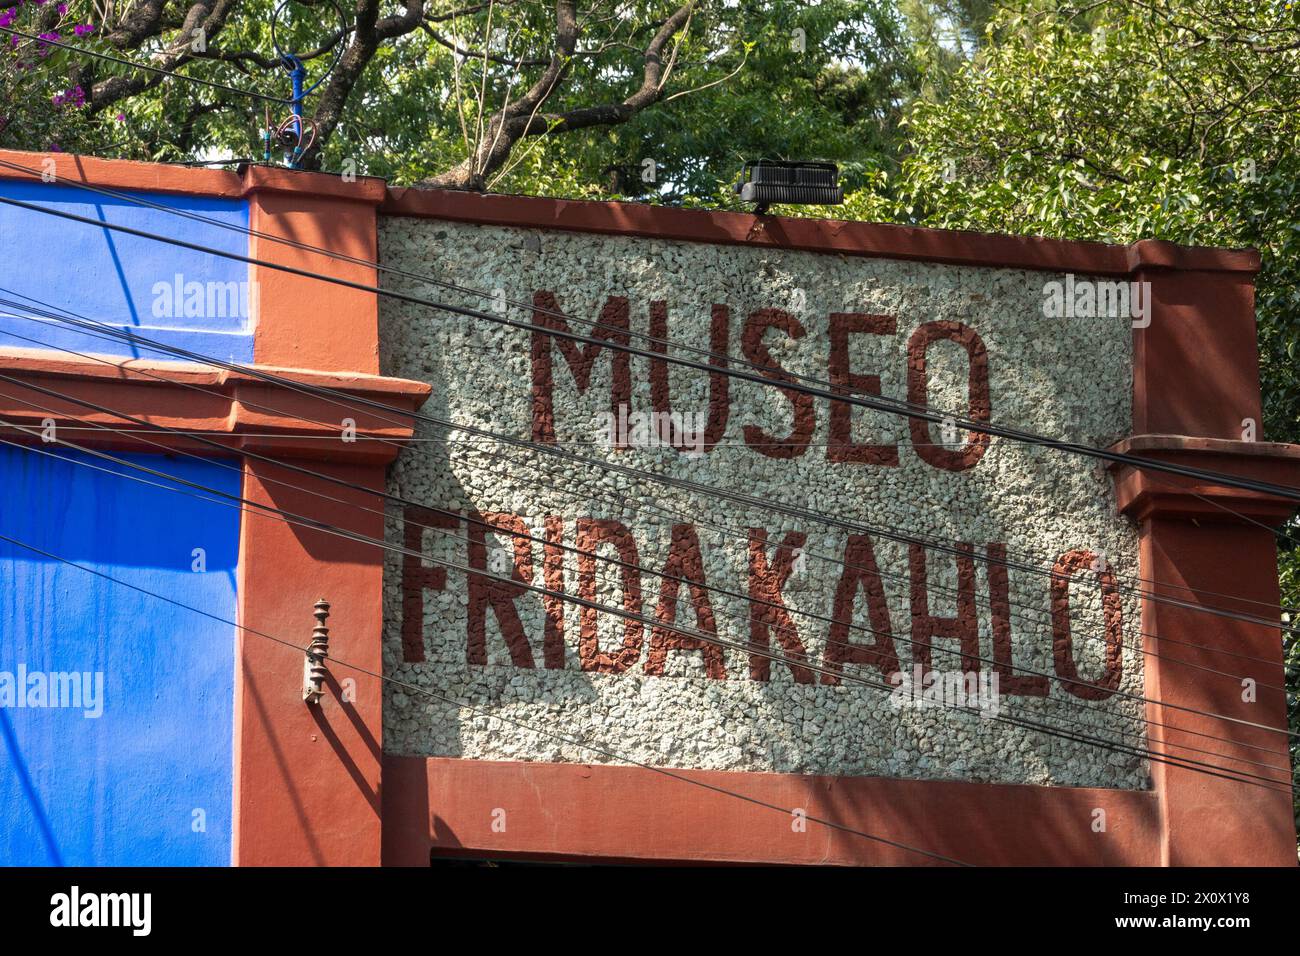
{"x": 74, "y": 97}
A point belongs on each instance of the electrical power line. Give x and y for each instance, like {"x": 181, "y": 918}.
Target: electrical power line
{"x": 999, "y": 431}
{"x": 713, "y": 491}
{"x": 469, "y": 519}
{"x": 487, "y": 526}
{"x": 719, "y": 360}
{"x": 235, "y": 501}
{"x": 108, "y": 332}
{"x": 287, "y": 517}
{"x": 94, "y": 222}
{"x": 722, "y": 361}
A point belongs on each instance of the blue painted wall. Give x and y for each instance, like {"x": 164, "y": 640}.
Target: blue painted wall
{"x": 120, "y": 789}
{"x": 115, "y": 278}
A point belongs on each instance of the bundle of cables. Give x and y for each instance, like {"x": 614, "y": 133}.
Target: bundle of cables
{"x": 296, "y": 133}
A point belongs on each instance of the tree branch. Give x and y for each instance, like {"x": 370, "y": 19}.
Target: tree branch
{"x": 523, "y": 116}
{"x": 206, "y": 15}
{"x": 368, "y": 33}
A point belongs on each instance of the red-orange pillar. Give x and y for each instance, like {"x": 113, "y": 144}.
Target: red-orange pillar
{"x": 1196, "y": 395}
{"x": 307, "y": 778}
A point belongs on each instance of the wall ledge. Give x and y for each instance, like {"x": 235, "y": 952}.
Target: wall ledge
{"x": 235, "y": 408}
{"x": 611, "y": 812}
{"x": 1143, "y": 494}
{"x": 880, "y": 240}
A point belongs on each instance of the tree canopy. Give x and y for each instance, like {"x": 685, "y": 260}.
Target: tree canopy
{"x": 504, "y": 94}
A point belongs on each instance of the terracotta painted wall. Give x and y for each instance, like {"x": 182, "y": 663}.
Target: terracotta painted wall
{"x": 733, "y": 753}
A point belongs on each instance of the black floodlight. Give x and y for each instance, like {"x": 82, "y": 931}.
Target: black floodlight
{"x": 805, "y": 184}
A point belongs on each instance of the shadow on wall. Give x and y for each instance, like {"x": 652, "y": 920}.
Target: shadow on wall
{"x": 493, "y": 686}
{"x": 182, "y": 297}
{"x": 117, "y": 719}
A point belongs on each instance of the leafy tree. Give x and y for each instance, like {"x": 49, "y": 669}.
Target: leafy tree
{"x": 535, "y": 56}
{"x": 1130, "y": 121}
{"x": 555, "y": 97}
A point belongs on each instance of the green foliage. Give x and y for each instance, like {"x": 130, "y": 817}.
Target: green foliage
{"x": 822, "y": 81}
{"x": 1122, "y": 125}
{"x": 1117, "y": 122}
{"x": 741, "y": 88}
{"x": 40, "y": 102}
{"x": 750, "y": 79}
{"x": 1289, "y": 577}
